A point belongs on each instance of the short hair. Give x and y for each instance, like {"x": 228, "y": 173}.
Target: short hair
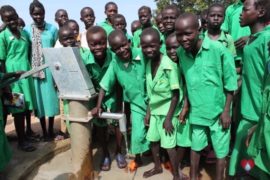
{"x": 265, "y": 4}
{"x": 173, "y": 7}
{"x": 119, "y": 16}
{"x": 36, "y": 4}
{"x": 70, "y": 21}
{"x": 114, "y": 34}
{"x": 83, "y": 9}
{"x": 150, "y": 31}
{"x": 145, "y": 8}
{"x": 58, "y": 11}
{"x": 94, "y": 30}
{"x": 62, "y": 29}
{"x": 192, "y": 16}
{"x": 7, "y": 8}
{"x": 215, "y": 5}
{"x": 110, "y": 3}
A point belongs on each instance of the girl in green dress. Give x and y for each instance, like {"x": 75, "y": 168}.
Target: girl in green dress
{"x": 14, "y": 55}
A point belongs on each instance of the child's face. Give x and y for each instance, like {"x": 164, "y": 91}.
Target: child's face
{"x": 21, "y": 23}
{"x": 160, "y": 24}
{"x": 171, "y": 47}
{"x": 61, "y": 17}
{"x": 88, "y": 18}
{"x": 67, "y": 38}
{"x": 249, "y": 13}
{"x": 10, "y": 19}
{"x": 150, "y": 46}
{"x": 121, "y": 47}
{"x": 98, "y": 44}
{"x": 168, "y": 18}
{"x": 144, "y": 17}
{"x": 186, "y": 33}
{"x": 38, "y": 16}
{"x": 111, "y": 11}
{"x": 74, "y": 27}
{"x": 120, "y": 24}
{"x": 215, "y": 17}
{"x": 135, "y": 26}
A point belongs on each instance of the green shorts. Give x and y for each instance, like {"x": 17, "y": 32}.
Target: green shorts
{"x": 183, "y": 134}
{"x": 156, "y": 132}
{"x": 220, "y": 138}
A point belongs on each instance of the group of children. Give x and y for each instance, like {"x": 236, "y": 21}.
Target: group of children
{"x": 180, "y": 79}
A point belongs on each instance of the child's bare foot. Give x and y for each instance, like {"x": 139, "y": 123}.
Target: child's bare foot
{"x": 152, "y": 172}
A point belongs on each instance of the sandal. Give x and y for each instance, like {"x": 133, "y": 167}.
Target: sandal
{"x": 121, "y": 161}
{"x": 106, "y": 164}
{"x": 152, "y": 172}
{"x": 26, "y": 147}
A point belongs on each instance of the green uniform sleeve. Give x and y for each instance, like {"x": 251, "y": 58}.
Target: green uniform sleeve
{"x": 231, "y": 46}
{"x": 225, "y": 25}
{"x": 173, "y": 74}
{"x": 229, "y": 71}
{"x": 3, "y": 47}
{"x": 109, "y": 78}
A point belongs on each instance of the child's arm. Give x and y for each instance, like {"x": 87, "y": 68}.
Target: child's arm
{"x": 147, "y": 116}
{"x": 225, "y": 118}
{"x": 168, "y": 121}
{"x": 97, "y": 110}
{"x": 185, "y": 109}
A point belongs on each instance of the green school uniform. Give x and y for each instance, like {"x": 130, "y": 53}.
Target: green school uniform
{"x": 159, "y": 91}
{"x": 255, "y": 57}
{"x": 226, "y": 40}
{"x": 131, "y": 76}
{"x": 5, "y": 150}
{"x": 15, "y": 52}
{"x": 106, "y": 26}
{"x": 259, "y": 147}
{"x": 231, "y": 24}
{"x": 207, "y": 75}
{"x": 45, "y": 92}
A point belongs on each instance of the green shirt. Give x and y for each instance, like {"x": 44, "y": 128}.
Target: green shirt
{"x": 207, "y": 75}
{"x": 231, "y": 22}
{"x": 159, "y": 88}
{"x": 255, "y": 56}
{"x": 106, "y": 26}
{"x": 131, "y": 76}
{"x": 226, "y": 40}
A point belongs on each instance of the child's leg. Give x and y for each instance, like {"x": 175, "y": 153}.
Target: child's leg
{"x": 174, "y": 161}
{"x": 119, "y": 137}
{"x": 43, "y": 126}
{"x": 157, "y": 165}
{"x": 180, "y": 155}
{"x": 19, "y": 126}
{"x": 194, "y": 164}
{"x": 29, "y": 131}
{"x": 50, "y": 128}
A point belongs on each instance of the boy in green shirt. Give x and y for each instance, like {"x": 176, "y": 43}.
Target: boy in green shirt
{"x": 255, "y": 14}
{"x": 119, "y": 22}
{"x": 111, "y": 9}
{"x": 163, "y": 90}
{"x": 210, "y": 76}
{"x": 128, "y": 68}
{"x": 169, "y": 15}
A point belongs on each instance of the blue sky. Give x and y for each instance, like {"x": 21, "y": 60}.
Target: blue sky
{"x": 126, "y": 7}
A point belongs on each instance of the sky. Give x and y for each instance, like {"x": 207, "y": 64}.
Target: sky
{"x": 128, "y": 8}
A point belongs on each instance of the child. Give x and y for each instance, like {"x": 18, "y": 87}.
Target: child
{"x": 169, "y": 16}
{"x": 119, "y": 22}
{"x": 14, "y": 54}
{"x": 209, "y": 71}
{"x": 111, "y": 9}
{"x": 61, "y": 16}
{"x": 128, "y": 68}
{"x": 42, "y": 35}
{"x": 162, "y": 84}
{"x": 21, "y": 23}
{"x": 255, "y": 14}
{"x": 73, "y": 25}
{"x": 159, "y": 23}
{"x": 135, "y": 25}
{"x": 88, "y": 18}
{"x": 5, "y": 151}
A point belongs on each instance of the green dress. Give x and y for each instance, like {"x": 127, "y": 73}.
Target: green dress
{"x": 259, "y": 148}
{"x": 5, "y": 151}
{"x": 15, "y": 52}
